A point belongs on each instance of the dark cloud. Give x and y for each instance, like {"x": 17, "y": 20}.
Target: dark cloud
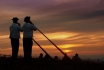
{"x": 82, "y": 23}
{"x": 96, "y": 13}
{"x": 56, "y": 17}
{"x": 84, "y": 26}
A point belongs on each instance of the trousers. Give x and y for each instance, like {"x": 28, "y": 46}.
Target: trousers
{"x": 15, "y": 47}
{"x": 27, "y": 47}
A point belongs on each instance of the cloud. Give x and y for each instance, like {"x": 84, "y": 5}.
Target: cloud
{"x": 85, "y": 18}
{"x": 95, "y": 13}
{"x": 87, "y": 48}
{"x": 83, "y": 39}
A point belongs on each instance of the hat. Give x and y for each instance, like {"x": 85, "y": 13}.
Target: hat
{"x": 27, "y": 18}
{"x": 15, "y": 18}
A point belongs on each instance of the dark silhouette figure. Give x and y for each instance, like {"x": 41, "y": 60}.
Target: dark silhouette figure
{"x": 98, "y": 60}
{"x": 56, "y": 58}
{"x": 65, "y": 57}
{"x": 76, "y": 57}
{"x": 28, "y": 29}
{"x": 46, "y": 57}
{"x": 14, "y": 36}
{"x": 41, "y": 56}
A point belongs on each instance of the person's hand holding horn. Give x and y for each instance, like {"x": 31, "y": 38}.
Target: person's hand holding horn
{"x": 19, "y": 24}
{"x": 31, "y": 23}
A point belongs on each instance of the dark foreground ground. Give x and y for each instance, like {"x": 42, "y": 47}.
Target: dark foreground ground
{"x": 36, "y": 64}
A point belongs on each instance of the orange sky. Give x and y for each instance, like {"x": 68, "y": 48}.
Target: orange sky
{"x": 75, "y": 26}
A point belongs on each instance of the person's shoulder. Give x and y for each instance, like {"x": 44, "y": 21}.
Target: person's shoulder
{"x": 30, "y": 24}
{"x": 24, "y": 24}
{"x": 12, "y": 25}
{"x": 16, "y": 26}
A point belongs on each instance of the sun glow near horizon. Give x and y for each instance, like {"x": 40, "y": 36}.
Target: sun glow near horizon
{"x": 55, "y": 36}
{"x": 68, "y": 42}
{"x": 67, "y": 51}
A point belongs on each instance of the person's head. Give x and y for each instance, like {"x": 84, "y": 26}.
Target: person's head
{"x": 27, "y": 19}
{"x": 56, "y": 57}
{"x": 76, "y": 55}
{"x": 41, "y": 54}
{"x": 15, "y": 20}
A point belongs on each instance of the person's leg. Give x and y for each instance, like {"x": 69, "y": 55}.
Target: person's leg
{"x": 15, "y": 47}
{"x": 30, "y": 48}
{"x": 24, "y": 47}
{"x": 27, "y": 45}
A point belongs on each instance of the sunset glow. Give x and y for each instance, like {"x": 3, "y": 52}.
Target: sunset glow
{"x": 67, "y": 51}
{"x": 68, "y": 45}
{"x": 75, "y": 26}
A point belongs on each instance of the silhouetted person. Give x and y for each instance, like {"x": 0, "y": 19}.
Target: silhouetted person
{"x": 56, "y": 58}
{"x": 14, "y": 36}
{"x": 76, "y": 57}
{"x": 41, "y": 56}
{"x": 46, "y": 57}
{"x": 4, "y": 56}
{"x": 65, "y": 57}
{"x": 27, "y": 37}
{"x": 98, "y": 60}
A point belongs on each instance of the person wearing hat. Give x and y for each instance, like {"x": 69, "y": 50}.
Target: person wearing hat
{"x": 28, "y": 29}
{"x": 14, "y": 37}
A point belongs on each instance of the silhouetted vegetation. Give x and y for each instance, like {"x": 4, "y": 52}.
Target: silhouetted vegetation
{"x": 6, "y": 63}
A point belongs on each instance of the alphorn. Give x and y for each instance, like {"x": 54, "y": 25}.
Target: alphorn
{"x": 43, "y": 49}
{"x": 53, "y": 44}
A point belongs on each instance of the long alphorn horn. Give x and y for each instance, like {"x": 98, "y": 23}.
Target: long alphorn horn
{"x": 43, "y": 49}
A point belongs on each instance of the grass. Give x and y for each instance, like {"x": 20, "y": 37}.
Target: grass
{"x": 36, "y": 64}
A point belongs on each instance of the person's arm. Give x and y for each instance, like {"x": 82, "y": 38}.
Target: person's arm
{"x": 19, "y": 24}
{"x": 31, "y": 22}
{"x": 10, "y": 32}
{"x": 33, "y": 27}
{"x": 19, "y": 27}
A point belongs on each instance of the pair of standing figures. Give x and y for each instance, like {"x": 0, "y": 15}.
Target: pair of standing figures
{"x": 27, "y": 30}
